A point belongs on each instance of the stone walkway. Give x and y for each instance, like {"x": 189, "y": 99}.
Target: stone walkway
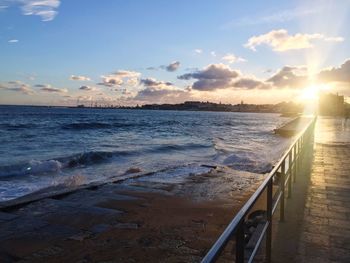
{"x": 317, "y": 225}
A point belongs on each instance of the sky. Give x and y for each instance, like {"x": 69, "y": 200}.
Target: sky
{"x": 114, "y": 52}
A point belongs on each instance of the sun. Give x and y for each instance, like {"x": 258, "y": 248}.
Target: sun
{"x": 311, "y": 93}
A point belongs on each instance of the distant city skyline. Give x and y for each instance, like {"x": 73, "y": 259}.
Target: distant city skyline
{"x": 139, "y": 52}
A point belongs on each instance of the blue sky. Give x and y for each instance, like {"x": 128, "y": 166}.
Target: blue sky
{"x": 110, "y": 46}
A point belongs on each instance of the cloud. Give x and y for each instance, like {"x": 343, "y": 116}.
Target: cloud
{"x": 214, "y": 76}
{"x": 336, "y": 74}
{"x": 220, "y": 76}
{"x": 198, "y": 51}
{"x": 251, "y": 83}
{"x": 231, "y": 58}
{"x": 132, "y": 82}
{"x": 212, "y": 71}
{"x": 88, "y": 88}
{"x": 17, "y": 86}
{"x": 110, "y": 81}
{"x": 23, "y": 89}
{"x": 126, "y": 74}
{"x": 119, "y": 77}
{"x": 289, "y": 77}
{"x": 13, "y": 41}
{"x": 151, "y": 82}
{"x": 280, "y": 40}
{"x": 152, "y": 68}
{"x": 79, "y": 78}
{"x": 170, "y": 68}
{"x": 49, "y": 89}
{"x": 46, "y": 9}
{"x": 213, "y": 53}
{"x": 297, "y": 76}
{"x": 157, "y": 91}
{"x": 173, "y": 66}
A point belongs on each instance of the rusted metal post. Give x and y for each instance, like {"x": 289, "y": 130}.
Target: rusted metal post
{"x": 269, "y": 220}
{"x": 290, "y": 174}
{"x": 282, "y": 189}
{"x": 240, "y": 243}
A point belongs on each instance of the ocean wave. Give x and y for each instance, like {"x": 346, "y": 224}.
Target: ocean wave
{"x": 99, "y": 125}
{"x": 54, "y": 165}
{"x": 85, "y": 125}
{"x": 35, "y": 167}
{"x": 18, "y": 126}
{"x": 249, "y": 162}
{"x": 176, "y": 147}
{"x": 30, "y": 168}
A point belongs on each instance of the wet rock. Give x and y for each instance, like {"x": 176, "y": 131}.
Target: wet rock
{"x": 100, "y": 228}
{"x": 80, "y": 236}
{"x": 126, "y": 226}
{"x": 133, "y": 170}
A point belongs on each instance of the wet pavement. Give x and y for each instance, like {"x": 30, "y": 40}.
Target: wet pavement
{"x": 317, "y": 224}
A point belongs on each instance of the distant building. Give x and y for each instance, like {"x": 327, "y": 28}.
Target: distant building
{"x": 331, "y": 105}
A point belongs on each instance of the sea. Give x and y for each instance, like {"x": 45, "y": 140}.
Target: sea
{"x": 41, "y": 147}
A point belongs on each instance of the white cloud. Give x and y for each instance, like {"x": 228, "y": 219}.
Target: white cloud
{"x": 17, "y": 86}
{"x": 13, "y": 41}
{"x": 212, "y": 77}
{"x": 156, "y": 91}
{"x": 46, "y": 9}
{"x": 79, "y": 78}
{"x": 49, "y": 89}
{"x": 280, "y": 40}
{"x": 198, "y": 51}
{"x": 126, "y": 74}
{"x": 88, "y": 88}
{"x": 151, "y": 82}
{"x": 119, "y": 77}
{"x": 213, "y": 53}
{"x": 110, "y": 81}
{"x": 289, "y": 77}
{"x": 231, "y": 58}
{"x": 334, "y": 39}
{"x": 173, "y": 66}
{"x": 336, "y": 74}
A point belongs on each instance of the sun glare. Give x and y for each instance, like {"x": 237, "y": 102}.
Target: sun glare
{"x": 311, "y": 93}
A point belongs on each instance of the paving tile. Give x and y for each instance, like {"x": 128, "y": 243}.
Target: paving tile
{"x": 324, "y": 235}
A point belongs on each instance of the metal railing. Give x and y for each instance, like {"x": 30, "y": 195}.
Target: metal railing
{"x": 282, "y": 174}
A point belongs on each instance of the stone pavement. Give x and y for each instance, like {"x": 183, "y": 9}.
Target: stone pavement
{"x": 317, "y": 224}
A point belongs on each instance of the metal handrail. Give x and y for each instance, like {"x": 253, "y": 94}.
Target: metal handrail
{"x": 236, "y": 226}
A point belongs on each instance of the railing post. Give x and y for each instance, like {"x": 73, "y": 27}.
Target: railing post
{"x": 282, "y": 189}
{"x": 295, "y": 163}
{"x": 240, "y": 243}
{"x": 299, "y": 154}
{"x": 290, "y": 174}
{"x": 269, "y": 220}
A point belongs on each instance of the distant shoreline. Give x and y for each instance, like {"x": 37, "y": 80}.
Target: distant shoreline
{"x": 281, "y": 108}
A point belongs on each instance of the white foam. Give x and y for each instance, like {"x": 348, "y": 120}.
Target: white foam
{"x": 37, "y": 167}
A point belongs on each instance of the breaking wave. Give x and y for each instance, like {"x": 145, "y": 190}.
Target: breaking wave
{"x": 35, "y": 167}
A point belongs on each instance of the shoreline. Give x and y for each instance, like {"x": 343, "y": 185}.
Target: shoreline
{"x": 145, "y": 109}
{"x": 61, "y": 190}
{"x": 130, "y": 222}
